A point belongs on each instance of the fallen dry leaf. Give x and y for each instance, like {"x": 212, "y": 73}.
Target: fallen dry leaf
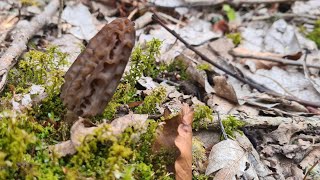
{"x": 183, "y": 164}
{"x": 228, "y": 158}
{"x": 223, "y": 89}
{"x": 176, "y": 135}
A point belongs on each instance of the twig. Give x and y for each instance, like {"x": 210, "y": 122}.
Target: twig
{"x": 21, "y": 38}
{"x": 309, "y": 170}
{"x": 284, "y": 15}
{"x": 170, "y": 18}
{"x": 264, "y": 121}
{"x": 272, "y": 59}
{"x": 307, "y": 74}
{"x": 168, "y": 82}
{"x": 220, "y": 2}
{"x": 222, "y": 127}
{"x": 248, "y": 81}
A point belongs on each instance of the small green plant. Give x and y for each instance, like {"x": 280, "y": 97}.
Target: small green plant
{"x": 180, "y": 66}
{"x": 124, "y": 94}
{"x": 150, "y": 103}
{"x": 29, "y": 3}
{"x": 202, "y": 113}
{"x": 198, "y": 152}
{"x": 143, "y": 62}
{"x": 203, "y": 66}
{"x": 315, "y": 34}
{"x": 235, "y": 37}
{"x": 232, "y": 124}
{"x": 231, "y": 14}
{"x": 41, "y": 68}
{"x": 22, "y": 154}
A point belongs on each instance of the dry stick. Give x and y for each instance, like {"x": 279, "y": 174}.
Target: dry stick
{"x": 307, "y": 74}
{"x": 309, "y": 170}
{"x": 234, "y": 2}
{"x": 284, "y": 15}
{"x": 252, "y": 84}
{"x": 21, "y": 38}
{"x": 222, "y": 127}
{"x": 272, "y": 59}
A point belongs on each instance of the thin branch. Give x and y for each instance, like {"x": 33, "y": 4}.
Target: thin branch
{"x": 220, "y": 2}
{"x": 272, "y": 59}
{"x": 307, "y": 74}
{"x": 283, "y": 15}
{"x": 222, "y": 127}
{"x": 248, "y": 81}
{"x": 21, "y": 38}
{"x": 309, "y": 170}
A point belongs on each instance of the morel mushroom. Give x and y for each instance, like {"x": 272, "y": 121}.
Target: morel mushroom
{"x": 93, "y": 78}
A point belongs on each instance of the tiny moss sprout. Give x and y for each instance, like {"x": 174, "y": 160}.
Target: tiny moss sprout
{"x": 198, "y": 151}
{"x": 202, "y": 113}
{"x": 203, "y": 66}
{"x": 180, "y": 66}
{"x": 235, "y": 37}
{"x": 143, "y": 62}
{"x": 232, "y": 124}
{"x": 29, "y": 3}
{"x": 150, "y": 103}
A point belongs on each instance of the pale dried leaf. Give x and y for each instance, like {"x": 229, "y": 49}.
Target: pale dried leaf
{"x": 285, "y": 131}
{"x": 79, "y": 130}
{"x": 80, "y": 17}
{"x": 226, "y": 155}
{"x": 183, "y": 164}
{"x": 281, "y": 38}
{"x": 197, "y": 32}
{"x": 138, "y": 121}
{"x": 223, "y": 89}
{"x": 63, "y": 149}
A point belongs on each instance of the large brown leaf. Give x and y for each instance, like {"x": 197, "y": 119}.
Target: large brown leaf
{"x": 176, "y": 135}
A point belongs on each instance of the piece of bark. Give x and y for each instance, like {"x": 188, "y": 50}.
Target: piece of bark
{"x": 94, "y": 76}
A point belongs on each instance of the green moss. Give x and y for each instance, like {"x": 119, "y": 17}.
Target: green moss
{"x": 200, "y": 177}
{"x": 29, "y": 3}
{"x": 180, "y": 66}
{"x": 232, "y": 124}
{"x": 150, "y": 103}
{"x": 41, "y": 68}
{"x": 124, "y": 94}
{"x": 315, "y": 34}
{"x": 202, "y": 113}
{"x": 143, "y": 62}
{"x": 22, "y": 154}
{"x": 203, "y": 67}
{"x": 103, "y": 156}
{"x": 235, "y": 37}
